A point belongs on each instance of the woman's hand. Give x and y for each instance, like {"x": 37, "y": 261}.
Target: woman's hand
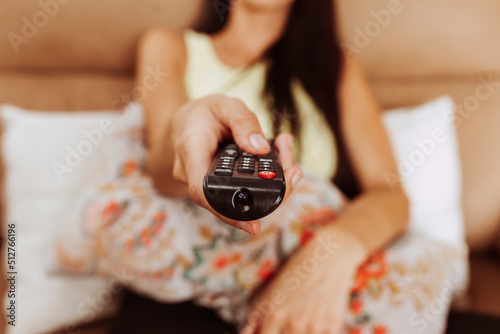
{"x": 197, "y": 129}
{"x": 311, "y": 292}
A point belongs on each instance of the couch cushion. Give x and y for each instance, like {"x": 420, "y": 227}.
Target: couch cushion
{"x": 65, "y": 90}
{"x": 90, "y": 34}
{"x": 404, "y": 38}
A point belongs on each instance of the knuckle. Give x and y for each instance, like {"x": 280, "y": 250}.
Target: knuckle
{"x": 336, "y": 320}
{"x": 327, "y": 330}
{"x": 194, "y": 194}
{"x": 180, "y": 143}
{"x": 315, "y": 328}
{"x": 236, "y": 103}
{"x": 177, "y": 174}
{"x": 276, "y": 317}
{"x": 297, "y": 325}
{"x": 216, "y": 97}
{"x": 218, "y": 100}
{"x": 243, "y": 118}
{"x": 336, "y": 326}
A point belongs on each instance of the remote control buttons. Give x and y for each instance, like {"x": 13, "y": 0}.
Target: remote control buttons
{"x": 246, "y": 170}
{"x": 246, "y": 164}
{"x": 268, "y": 175}
{"x": 223, "y": 172}
{"x": 230, "y": 153}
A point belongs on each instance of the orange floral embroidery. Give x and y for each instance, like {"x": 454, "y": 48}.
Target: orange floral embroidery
{"x": 313, "y": 219}
{"x": 129, "y": 245}
{"x": 305, "y": 236}
{"x": 379, "y": 330}
{"x": 356, "y": 306}
{"x": 158, "y": 228}
{"x": 168, "y": 272}
{"x": 266, "y": 270}
{"x": 130, "y": 168}
{"x": 111, "y": 212}
{"x": 236, "y": 257}
{"x": 223, "y": 261}
{"x": 373, "y": 268}
{"x": 146, "y": 236}
{"x": 159, "y": 217}
{"x": 220, "y": 262}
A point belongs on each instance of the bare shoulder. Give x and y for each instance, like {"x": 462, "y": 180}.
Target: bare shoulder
{"x": 161, "y": 44}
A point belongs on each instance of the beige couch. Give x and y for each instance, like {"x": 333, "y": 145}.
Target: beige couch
{"x": 81, "y": 56}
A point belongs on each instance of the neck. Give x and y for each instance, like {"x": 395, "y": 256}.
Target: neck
{"x": 249, "y": 33}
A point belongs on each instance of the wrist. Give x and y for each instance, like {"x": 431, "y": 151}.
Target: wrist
{"x": 348, "y": 245}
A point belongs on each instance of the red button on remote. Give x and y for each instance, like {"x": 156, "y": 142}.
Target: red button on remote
{"x": 267, "y": 175}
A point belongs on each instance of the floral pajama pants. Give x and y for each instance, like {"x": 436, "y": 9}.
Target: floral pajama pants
{"x": 173, "y": 251}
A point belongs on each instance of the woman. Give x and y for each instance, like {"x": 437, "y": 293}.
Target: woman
{"x": 257, "y": 69}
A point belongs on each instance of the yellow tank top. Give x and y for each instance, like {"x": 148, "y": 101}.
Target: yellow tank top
{"x": 206, "y": 74}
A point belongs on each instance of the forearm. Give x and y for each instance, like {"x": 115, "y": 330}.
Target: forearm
{"x": 160, "y": 165}
{"x": 161, "y": 51}
{"x": 370, "y": 222}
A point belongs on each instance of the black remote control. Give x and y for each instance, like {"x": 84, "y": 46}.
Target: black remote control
{"x": 242, "y": 186}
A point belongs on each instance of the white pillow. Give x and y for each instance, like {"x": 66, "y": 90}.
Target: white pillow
{"x": 425, "y": 144}
{"x": 49, "y": 159}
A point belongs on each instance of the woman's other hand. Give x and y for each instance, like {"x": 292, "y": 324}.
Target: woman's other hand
{"x": 310, "y": 294}
{"x": 198, "y": 128}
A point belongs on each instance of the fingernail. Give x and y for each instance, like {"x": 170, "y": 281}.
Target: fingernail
{"x": 296, "y": 179}
{"x": 246, "y": 227}
{"x": 290, "y": 142}
{"x": 258, "y": 141}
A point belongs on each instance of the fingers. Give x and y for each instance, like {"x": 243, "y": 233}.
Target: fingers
{"x": 284, "y": 146}
{"x": 196, "y": 147}
{"x": 252, "y": 325}
{"x": 293, "y": 174}
{"x": 243, "y": 124}
{"x": 253, "y": 227}
{"x": 272, "y": 324}
{"x": 179, "y": 169}
{"x": 193, "y": 160}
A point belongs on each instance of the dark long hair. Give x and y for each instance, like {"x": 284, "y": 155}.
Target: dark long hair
{"x": 308, "y": 52}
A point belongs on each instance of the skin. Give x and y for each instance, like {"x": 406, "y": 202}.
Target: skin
{"x": 370, "y": 222}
